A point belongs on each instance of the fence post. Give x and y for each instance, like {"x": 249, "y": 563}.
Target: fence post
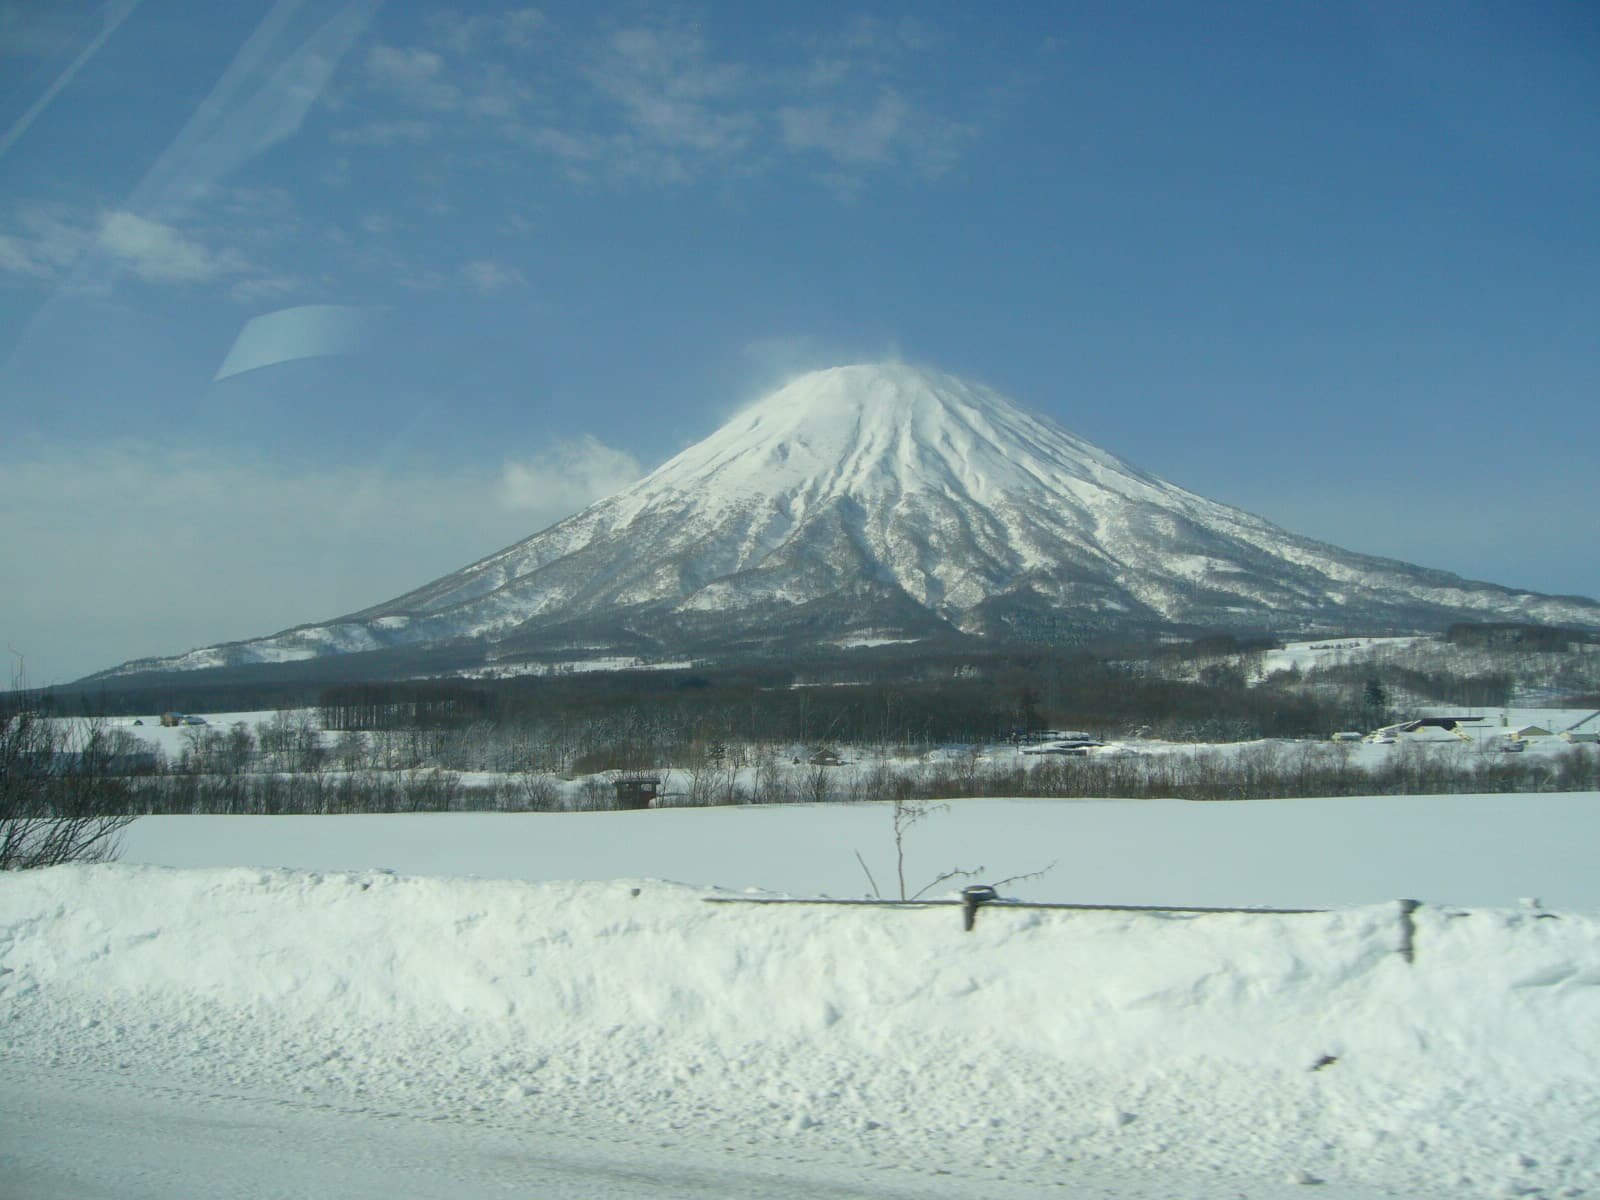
{"x": 1408, "y": 929}
{"x": 971, "y": 897}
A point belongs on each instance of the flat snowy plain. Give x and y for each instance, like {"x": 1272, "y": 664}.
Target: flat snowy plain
{"x": 480, "y": 1005}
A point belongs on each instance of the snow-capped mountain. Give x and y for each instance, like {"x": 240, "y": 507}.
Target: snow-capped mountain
{"x": 880, "y": 502}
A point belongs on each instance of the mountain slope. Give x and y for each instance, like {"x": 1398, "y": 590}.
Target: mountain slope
{"x": 891, "y": 500}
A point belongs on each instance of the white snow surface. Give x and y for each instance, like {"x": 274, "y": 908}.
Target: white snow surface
{"x": 1310, "y": 853}
{"x": 1201, "y": 1055}
{"x": 1324, "y": 651}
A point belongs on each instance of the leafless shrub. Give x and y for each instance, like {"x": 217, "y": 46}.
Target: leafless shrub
{"x": 597, "y": 793}
{"x": 538, "y": 792}
{"x": 907, "y": 814}
{"x": 61, "y": 800}
{"x": 771, "y": 781}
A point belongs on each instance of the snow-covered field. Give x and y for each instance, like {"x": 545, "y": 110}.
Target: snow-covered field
{"x": 1328, "y": 651}
{"x": 325, "y": 1025}
{"x": 1478, "y": 850}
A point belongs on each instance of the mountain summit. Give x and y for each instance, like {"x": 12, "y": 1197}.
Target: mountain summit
{"x": 880, "y": 502}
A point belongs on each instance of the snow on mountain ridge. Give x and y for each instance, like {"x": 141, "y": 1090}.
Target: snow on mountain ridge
{"x": 859, "y": 484}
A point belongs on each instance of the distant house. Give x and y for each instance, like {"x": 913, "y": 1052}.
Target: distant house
{"x": 637, "y": 791}
{"x": 1032, "y": 736}
{"x": 1066, "y": 743}
{"x": 1529, "y": 731}
{"x": 1581, "y": 735}
{"x": 1422, "y": 729}
{"x": 824, "y": 757}
{"x": 171, "y": 720}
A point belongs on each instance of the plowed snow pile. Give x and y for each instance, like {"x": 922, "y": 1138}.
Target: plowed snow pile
{"x": 1282, "y": 1047}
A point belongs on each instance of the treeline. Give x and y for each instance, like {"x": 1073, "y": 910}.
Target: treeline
{"x": 1428, "y": 683}
{"x": 1263, "y": 771}
{"x": 1507, "y": 635}
{"x": 887, "y": 693}
{"x": 1478, "y": 670}
{"x": 936, "y": 700}
{"x": 432, "y": 704}
{"x": 1209, "y": 688}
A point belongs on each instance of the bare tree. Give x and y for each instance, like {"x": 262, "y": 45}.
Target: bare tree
{"x": 908, "y": 813}
{"x": 536, "y": 791}
{"x": 59, "y": 799}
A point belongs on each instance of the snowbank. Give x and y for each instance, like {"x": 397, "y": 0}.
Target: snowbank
{"x": 1300, "y": 1047}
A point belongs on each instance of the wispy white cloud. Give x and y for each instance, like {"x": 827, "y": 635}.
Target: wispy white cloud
{"x": 866, "y": 45}
{"x": 378, "y": 224}
{"x": 499, "y": 95}
{"x": 269, "y": 289}
{"x": 672, "y": 92}
{"x": 423, "y": 78}
{"x": 422, "y": 279}
{"x": 271, "y": 209}
{"x": 249, "y": 242}
{"x": 846, "y": 135}
{"x": 19, "y": 256}
{"x": 569, "y": 475}
{"x": 49, "y": 243}
{"x": 771, "y": 362}
{"x": 520, "y": 27}
{"x": 866, "y": 103}
{"x": 158, "y": 253}
{"x": 386, "y": 133}
{"x": 199, "y": 548}
{"x": 461, "y": 34}
{"x": 416, "y": 75}
{"x": 45, "y": 245}
{"x": 776, "y": 360}
{"x": 489, "y": 278}
{"x": 659, "y": 101}
{"x": 562, "y": 143}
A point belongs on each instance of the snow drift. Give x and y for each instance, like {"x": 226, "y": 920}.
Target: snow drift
{"x": 1043, "y": 1043}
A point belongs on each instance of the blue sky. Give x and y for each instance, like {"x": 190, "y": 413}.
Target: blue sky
{"x": 1338, "y": 264}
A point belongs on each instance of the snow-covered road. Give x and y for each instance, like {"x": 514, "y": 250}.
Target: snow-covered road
{"x": 91, "y": 1136}
{"x": 74, "y": 1135}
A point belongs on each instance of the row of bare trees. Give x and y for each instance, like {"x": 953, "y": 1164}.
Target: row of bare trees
{"x": 66, "y": 789}
{"x": 768, "y": 776}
